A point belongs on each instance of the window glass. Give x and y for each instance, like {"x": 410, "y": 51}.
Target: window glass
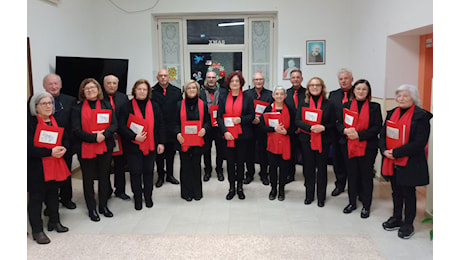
{"x": 215, "y": 31}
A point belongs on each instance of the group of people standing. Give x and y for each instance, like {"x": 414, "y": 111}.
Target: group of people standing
{"x": 273, "y": 128}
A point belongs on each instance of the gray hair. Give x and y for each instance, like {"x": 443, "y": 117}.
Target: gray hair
{"x": 344, "y": 70}
{"x": 413, "y": 90}
{"x": 279, "y": 87}
{"x": 35, "y": 99}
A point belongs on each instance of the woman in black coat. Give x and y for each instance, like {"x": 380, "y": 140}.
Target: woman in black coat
{"x": 140, "y": 146}
{"x": 192, "y": 123}
{"x": 360, "y": 127}
{"x": 402, "y": 143}
{"x": 315, "y": 138}
{"x": 93, "y": 125}
{"x": 47, "y": 143}
{"x": 234, "y": 117}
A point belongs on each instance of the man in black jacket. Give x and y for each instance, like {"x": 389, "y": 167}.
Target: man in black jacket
{"x": 62, "y": 109}
{"x": 295, "y": 96}
{"x": 338, "y": 97}
{"x": 117, "y": 100}
{"x": 166, "y": 95}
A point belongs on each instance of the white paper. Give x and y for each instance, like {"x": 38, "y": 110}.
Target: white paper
{"x": 103, "y": 118}
{"x": 273, "y": 122}
{"x": 311, "y": 116}
{"x": 117, "y": 146}
{"x": 392, "y": 132}
{"x": 348, "y": 119}
{"x": 136, "y": 128}
{"x": 260, "y": 108}
{"x": 228, "y": 121}
{"x": 214, "y": 114}
{"x": 191, "y": 129}
{"x": 48, "y": 137}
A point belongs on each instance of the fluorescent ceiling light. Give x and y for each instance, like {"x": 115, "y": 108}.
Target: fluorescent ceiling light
{"x": 230, "y": 24}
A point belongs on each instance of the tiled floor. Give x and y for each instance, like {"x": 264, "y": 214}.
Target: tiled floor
{"x": 254, "y": 215}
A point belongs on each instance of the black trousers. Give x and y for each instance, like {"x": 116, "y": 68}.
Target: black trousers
{"x": 257, "y": 148}
{"x": 49, "y": 195}
{"x": 236, "y": 157}
{"x": 296, "y": 152}
{"x": 141, "y": 174}
{"x": 339, "y": 157}
{"x": 190, "y": 173}
{"x": 315, "y": 171}
{"x": 213, "y": 135}
{"x": 360, "y": 178}
{"x": 119, "y": 163}
{"x": 65, "y": 187}
{"x": 96, "y": 168}
{"x": 404, "y": 197}
{"x": 278, "y": 170}
{"x": 168, "y": 156}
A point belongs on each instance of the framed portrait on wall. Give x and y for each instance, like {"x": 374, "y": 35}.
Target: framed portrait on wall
{"x": 316, "y": 52}
{"x": 290, "y": 63}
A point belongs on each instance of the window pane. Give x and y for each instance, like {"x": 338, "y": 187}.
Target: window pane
{"x": 221, "y": 63}
{"x": 170, "y": 49}
{"x": 261, "y": 50}
{"x": 215, "y": 31}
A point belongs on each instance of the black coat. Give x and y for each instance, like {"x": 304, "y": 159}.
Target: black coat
{"x": 168, "y": 105}
{"x": 127, "y": 135}
{"x": 290, "y": 97}
{"x": 335, "y": 97}
{"x": 371, "y": 133}
{"x": 415, "y": 173}
{"x": 119, "y": 99}
{"x": 83, "y": 136}
{"x": 247, "y": 115}
{"x": 35, "y": 175}
{"x": 327, "y": 120}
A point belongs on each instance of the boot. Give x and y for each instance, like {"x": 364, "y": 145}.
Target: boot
{"x": 231, "y": 192}
{"x": 240, "y": 192}
{"x": 281, "y": 194}
{"x": 272, "y": 194}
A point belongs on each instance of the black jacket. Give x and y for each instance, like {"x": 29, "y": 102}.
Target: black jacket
{"x": 168, "y": 105}
{"x": 127, "y": 135}
{"x": 415, "y": 173}
{"x": 335, "y": 97}
{"x": 247, "y": 115}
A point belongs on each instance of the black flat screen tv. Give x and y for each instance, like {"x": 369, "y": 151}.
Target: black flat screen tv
{"x": 73, "y": 70}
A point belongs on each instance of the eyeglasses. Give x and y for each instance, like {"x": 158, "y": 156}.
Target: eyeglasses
{"x": 315, "y": 85}
{"x": 258, "y": 79}
{"x": 89, "y": 88}
{"x": 50, "y": 103}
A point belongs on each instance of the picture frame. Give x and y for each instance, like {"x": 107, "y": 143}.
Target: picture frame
{"x": 290, "y": 63}
{"x": 316, "y": 52}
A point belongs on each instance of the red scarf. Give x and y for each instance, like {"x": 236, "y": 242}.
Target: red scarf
{"x": 90, "y": 150}
{"x": 316, "y": 141}
{"x": 234, "y": 109}
{"x": 357, "y": 148}
{"x": 184, "y": 121}
{"x": 149, "y": 143}
{"x": 278, "y": 143}
{"x": 405, "y": 120}
{"x": 53, "y": 168}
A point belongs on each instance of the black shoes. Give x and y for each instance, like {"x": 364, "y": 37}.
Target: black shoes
{"x": 308, "y": 201}
{"x": 123, "y": 196}
{"x": 106, "y": 212}
{"x": 365, "y": 213}
{"x": 172, "y": 180}
{"x": 137, "y": 204}
{"x": 207, "y": 176}
{"x": 281, "y": 195}
{"x": 41, "y": 238}
{"x": 406, "y": 231}
{"x": 159, "y": 183}
{"x": 349, "y": 208}
{"x": 148, "y": 202}
{"x": 248, "y": 180}
{"x": 265, "y": 181}
{"x": 272, "y": 194}
{"x": 188, "y": 199}
{"x": 69, "y": 204}
{"x": 93, "y": 215}
{"x": 58, "y": 227}
{"x": 337, "y": 191}
{"x": 220, "y": 176}
{"x": 320, "y": 203}
{"x": 240, "y": 193}
{"x": 231, "y": 194}
{"x": 391, "y": 224}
